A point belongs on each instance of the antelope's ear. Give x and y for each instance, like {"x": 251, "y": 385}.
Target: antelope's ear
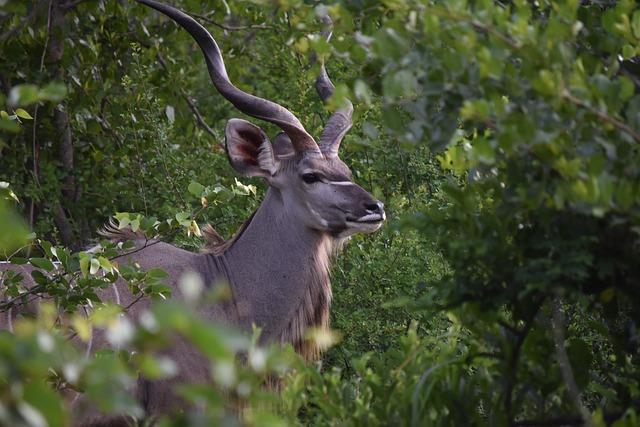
{"x": 249, "y": 150}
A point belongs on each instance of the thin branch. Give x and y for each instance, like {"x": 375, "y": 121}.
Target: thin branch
{"x": 602, "y": 115}
{"x": 192, "y": 106}
{"x": 8, "y": 304}
{"x": 199, "y": 118}
{"x": 233, "y": 28}
{"x": 14, "y": 253}
{"x": 142, "y": 295}
{"x": 48, "y": 37}
{"x": 558, "y": 327}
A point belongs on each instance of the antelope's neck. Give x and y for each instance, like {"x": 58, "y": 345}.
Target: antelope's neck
{"x": 279, "y": 272}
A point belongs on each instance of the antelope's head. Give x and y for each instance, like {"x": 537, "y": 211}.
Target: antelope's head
{"x": 315, "y": 186}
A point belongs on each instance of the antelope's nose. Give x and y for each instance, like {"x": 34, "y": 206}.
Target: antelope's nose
{"x": 375, "y": 207}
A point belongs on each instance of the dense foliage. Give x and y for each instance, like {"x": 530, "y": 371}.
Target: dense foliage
{"x": 502, "y": 136}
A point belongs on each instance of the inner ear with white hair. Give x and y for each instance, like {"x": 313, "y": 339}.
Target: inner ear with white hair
{"x": 249, "y": 150}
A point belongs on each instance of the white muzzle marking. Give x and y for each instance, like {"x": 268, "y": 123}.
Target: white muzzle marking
{"x": 371, "y": 217}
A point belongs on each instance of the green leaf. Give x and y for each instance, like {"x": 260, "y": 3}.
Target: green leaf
{"x": 24, "y": 94}
{"x": 95, "y": 266}
{"x": 627, "y": 88}
{"x": 157, "y": 273}
{"x": 399, "y": 85}
{"x": 635, "y": 24}
{"x": 39, "y": 277}
{"x": 23, "y": 114}
{"x": 9, "y": 125}
{"x": 362, "y": 92}
{"x": 105, "y": 264}
{"x": 483, "y": 151}
{"x": 628, "y": 51}
{"x": 42, "y": 263}
{"x": 85, "y": 259}
{"x": 48, "y": 403}
{"x": 183, "y": 218}
{"x": 47, "y": 248}
{"x": 196, "y": 188}
{"x": 55, "y": 92}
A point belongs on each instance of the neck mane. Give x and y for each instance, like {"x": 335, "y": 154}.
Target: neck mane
{"x": 278, "y": 270}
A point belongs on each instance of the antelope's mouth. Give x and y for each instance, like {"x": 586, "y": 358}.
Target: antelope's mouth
{"x": 367, "y": 219}
{"x": 365, "y": 224}
{"x": 370, "y": 219}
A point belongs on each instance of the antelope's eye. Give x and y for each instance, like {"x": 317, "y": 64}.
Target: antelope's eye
{"x": 310, "y": 178}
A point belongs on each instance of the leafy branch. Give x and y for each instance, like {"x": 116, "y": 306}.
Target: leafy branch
{"x": 602, "y": 115}
{"x": 232, "y": 27}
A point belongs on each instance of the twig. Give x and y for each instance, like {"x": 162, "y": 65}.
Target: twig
{"x": 8, "y": 304}
{"x": 558, "y": 326}
{"x": 192, "y": 105}
{"x": 46, "y": 40}
{"x": 565, "y": 94}
{"x": 233, "y": 28}
{"x": 14, "y": 253}
{"x": 134, "y": 301}
{"x": 199, "y": 118}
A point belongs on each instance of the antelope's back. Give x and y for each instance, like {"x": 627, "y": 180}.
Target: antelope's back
{"x": 174, "y": 261}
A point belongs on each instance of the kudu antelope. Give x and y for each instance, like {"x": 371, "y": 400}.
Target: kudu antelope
{"x": 277, "y": 264}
